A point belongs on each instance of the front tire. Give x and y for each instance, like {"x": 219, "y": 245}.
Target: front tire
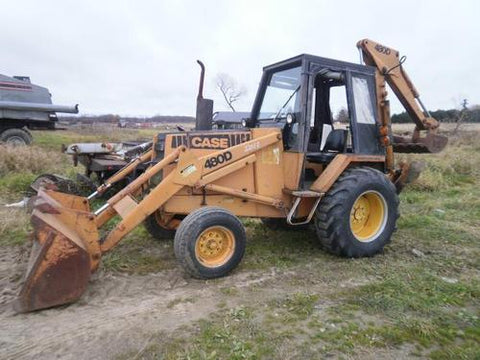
{"x": 358, "y": 214}
{"x": 210, "y": 242}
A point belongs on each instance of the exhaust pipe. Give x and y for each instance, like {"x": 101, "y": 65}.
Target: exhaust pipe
{"x": 204, "y": 112}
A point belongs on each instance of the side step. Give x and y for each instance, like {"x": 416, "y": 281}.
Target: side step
{"x": 299, "y": 195}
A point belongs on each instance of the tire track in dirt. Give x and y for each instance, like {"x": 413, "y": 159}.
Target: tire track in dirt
{"x": 121, "y": 307}
{"x": 116, "y": 314}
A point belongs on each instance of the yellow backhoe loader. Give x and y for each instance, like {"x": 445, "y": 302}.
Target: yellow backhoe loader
{"x": 318, "y": 145}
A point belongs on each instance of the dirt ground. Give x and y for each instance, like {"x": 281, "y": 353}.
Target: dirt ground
{"x": 118, "y": 312}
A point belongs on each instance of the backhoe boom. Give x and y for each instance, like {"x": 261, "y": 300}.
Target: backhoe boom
{"x": 390, "y": 70}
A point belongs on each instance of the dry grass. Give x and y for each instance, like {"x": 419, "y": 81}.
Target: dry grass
{"x": 32, "y": 159}
{"x": 19, "y": 166}
{"x": 14, "y": 225}
{"x": 458, "y": 164}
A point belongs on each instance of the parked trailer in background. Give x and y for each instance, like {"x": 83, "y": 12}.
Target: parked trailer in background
{"x": 25, "y": 106}
{"x": 105, "y": 159}
{"x": 224, "y": 120}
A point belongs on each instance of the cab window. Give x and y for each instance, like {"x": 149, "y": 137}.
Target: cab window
{"x": 282, "y": 95}
{"x": 330, "y": 110}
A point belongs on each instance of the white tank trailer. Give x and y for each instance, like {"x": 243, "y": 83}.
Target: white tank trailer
{"x": 25, "y": 106}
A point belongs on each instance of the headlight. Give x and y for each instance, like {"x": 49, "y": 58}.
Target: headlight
{"x": 290, "y": 118}
{"x": 244, "y": 122}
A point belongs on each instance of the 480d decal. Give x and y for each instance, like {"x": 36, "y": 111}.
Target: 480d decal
{"x": 382, "y": 49}
{"x": 219, "y": 159}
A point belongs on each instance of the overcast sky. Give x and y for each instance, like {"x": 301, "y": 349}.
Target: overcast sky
{"x": 138, "y": 57}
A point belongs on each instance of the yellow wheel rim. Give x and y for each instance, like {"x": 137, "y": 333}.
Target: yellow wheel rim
{"x": 215, "y": 246}
{"x": 368, "y": 216}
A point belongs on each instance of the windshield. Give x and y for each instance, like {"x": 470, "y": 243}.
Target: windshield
{"x": 282, "y": 95}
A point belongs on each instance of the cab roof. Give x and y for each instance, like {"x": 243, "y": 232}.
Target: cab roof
{"x": 312, "y": 62}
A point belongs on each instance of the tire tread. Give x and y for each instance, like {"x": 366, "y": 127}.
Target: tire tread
{"x": 192, "y": 224}
{"x": 329, "y": 217}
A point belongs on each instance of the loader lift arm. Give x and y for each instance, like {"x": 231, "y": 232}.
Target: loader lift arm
{"x": 390, "y": 70}
{"x": 190, "y": 171}
{"x": 67, "y": 234}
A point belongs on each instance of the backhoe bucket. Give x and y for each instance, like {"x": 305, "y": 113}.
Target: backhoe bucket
{"x": 65, "y": 252}
{"x": 432, "y": 143}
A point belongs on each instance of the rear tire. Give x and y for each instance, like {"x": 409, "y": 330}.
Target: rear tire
{"x": 16, "y": 137}
{"x": 155, "y": 229}
{"x": 210, "y": 242}
{"x": 358, "y": 214}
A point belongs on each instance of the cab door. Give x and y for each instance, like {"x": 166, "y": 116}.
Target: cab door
{"x": 363, "y": 114}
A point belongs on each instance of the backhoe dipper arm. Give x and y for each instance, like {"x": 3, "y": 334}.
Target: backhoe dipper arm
{"x": 390, "y": 70}
{"x": 389, "y": 66}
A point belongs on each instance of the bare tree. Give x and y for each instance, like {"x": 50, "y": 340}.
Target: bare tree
{"x": 230, "y": 89}
{"x": 461, "y": 116}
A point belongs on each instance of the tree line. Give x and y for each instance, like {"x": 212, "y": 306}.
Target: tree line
{"x": 115, "y": 119}
{"x": 466, "y": 114}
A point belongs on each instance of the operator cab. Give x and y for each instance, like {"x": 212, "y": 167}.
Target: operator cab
{"x": 323, "y": 106}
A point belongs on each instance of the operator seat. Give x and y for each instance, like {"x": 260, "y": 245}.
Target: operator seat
{"x": 335, "y": 143}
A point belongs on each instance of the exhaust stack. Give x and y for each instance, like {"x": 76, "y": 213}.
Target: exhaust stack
{"x": 204, "y": 106}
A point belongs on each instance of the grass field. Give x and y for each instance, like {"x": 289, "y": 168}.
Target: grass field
{"x": 420, "y": 298}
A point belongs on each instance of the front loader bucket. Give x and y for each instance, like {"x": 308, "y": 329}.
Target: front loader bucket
{"x": 65, "y": 251}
